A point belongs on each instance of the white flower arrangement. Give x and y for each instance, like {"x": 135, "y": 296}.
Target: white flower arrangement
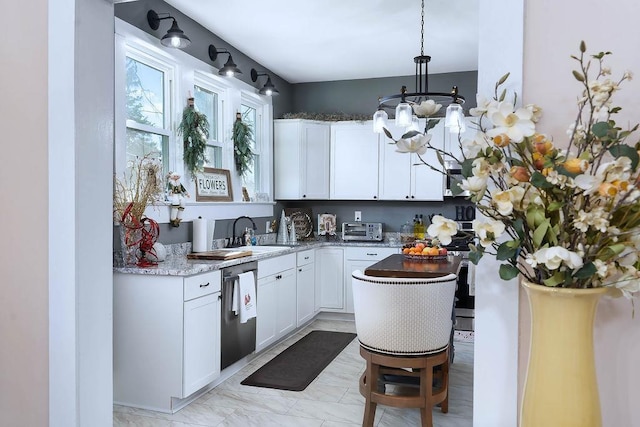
{"x": 561, "y": 217}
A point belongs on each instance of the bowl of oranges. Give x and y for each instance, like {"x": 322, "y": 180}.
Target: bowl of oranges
{"x": 424, "y": 251}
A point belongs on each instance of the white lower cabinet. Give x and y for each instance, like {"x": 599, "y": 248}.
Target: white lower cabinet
{"x": 359, "y": 259}
{"x": 201, "y": 352}
{"x": 166, "y": 337}
{"x": 305, "y": 286}
{"x": 276, "y": 305}
{"x": 329, "y": 279}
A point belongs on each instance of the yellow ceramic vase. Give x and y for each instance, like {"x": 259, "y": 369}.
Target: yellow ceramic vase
{"x": 561, "y": 389}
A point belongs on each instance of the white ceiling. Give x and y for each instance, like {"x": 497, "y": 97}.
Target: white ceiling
{"x": 323, "y": 40}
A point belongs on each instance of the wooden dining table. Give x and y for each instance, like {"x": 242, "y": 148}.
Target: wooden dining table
{"x": 399, "y": 265}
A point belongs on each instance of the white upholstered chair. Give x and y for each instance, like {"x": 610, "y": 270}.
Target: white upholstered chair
{"x": 404, "y": 328}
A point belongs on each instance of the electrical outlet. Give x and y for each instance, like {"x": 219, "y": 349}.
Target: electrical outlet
{"x": 358, "y": 216}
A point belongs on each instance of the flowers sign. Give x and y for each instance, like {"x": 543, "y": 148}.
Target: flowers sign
{"x": 561, "y": 212}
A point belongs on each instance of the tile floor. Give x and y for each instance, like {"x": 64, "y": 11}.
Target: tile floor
{"x": 331, "y": 400}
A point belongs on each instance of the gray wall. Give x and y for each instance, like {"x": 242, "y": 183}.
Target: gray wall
{"x": 361, "y": 96}
{"x": 392, "y": 214}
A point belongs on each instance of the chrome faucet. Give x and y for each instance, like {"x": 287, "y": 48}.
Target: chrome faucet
{"x": 234, "y": 240}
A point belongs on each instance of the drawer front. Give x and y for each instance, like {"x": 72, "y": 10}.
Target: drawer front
{"x": 270, "y": 266}
{"x": 202, "y": 284}
{"x": 369, "y": 253}
{"x": 306, "y": 257}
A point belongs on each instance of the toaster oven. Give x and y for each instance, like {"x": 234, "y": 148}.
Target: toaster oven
{"x": 362, "y": 231}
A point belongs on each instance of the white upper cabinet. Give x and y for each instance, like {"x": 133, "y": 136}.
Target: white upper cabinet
{"x": 354, "y": 161}
{"x": 403, "y": 176}
{"x": 301, "y": 159}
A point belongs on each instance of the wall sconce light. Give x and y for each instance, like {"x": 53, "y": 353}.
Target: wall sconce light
{"x": 175, "y": 37}
{"x": 268, "y": 89}
{"x": 230, "y": 68}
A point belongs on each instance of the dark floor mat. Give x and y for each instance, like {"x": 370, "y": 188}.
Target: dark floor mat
{"x": 296, "y": 367}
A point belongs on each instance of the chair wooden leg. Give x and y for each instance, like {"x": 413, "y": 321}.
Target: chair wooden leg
{"x": 426, "y": 417}
{"x": 426, "y": 391}
{"x": 371, "y": 383}
{"x": 444, "y": 406}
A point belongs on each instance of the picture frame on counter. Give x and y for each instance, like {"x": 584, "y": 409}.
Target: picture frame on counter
{"x": 214, "y": 185}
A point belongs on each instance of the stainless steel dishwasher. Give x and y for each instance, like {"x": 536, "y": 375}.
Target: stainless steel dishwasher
{"x": 237, "y": 340}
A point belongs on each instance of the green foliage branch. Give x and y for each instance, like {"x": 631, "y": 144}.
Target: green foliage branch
{"x": 242, "y": 137}
{"x": 194, "y": 129}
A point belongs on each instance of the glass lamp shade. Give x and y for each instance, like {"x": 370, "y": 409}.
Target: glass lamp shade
{"x": 404, "y": 113}
{"x": 269, "y": 89}
{"x": 454, "y": 119}
{"x": 380, "y": 121}
{"x": 175, "y": 37}
{"x": 229, "y": 69}
{"x": 415, "y": 124}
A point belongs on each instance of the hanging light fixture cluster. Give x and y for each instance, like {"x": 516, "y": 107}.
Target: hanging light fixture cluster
{"x": 408, "y": 105}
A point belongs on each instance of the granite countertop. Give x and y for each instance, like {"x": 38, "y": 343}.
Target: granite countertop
{"x": 177, "y": 264}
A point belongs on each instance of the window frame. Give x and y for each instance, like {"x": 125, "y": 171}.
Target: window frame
{"x": 206, "y": 82}
{"x": 263, "y": 137}
{"x": 155, "y": 59}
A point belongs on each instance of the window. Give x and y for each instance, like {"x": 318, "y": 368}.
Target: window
{"x": 209, "y": 99}
{"x": 253, "y": 114}
{"x": 252, "y": 176}
{"x": 147, "y": 94}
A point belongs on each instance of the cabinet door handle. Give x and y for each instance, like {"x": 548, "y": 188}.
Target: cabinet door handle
{"x": 375, "y": 197}
{"x": 306, "y": 257}
{"x": 279, "y": 276}
{"x": 299, "y": 269}
{"x": 204, "y": 285}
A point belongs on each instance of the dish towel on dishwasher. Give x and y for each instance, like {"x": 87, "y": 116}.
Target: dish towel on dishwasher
{"x": 247, "y": 285}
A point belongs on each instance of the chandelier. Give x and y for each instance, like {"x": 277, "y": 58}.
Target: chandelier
{"x": 409, "y": 105}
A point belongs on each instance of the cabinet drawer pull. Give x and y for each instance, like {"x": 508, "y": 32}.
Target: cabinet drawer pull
{"x": 369, "y": 254}
{"x": 204, "y": 285}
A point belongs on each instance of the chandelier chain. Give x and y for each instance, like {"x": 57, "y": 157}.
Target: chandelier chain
{"x": 422, "y": 31}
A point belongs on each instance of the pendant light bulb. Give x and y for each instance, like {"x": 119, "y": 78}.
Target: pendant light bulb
{"x": 380, "y": 118}
{"x": 403, "y": 115}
